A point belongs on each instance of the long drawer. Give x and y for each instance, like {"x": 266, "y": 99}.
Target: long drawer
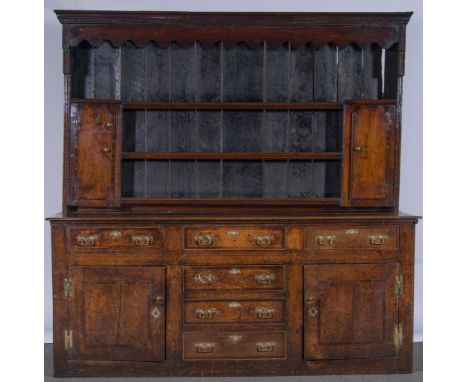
{"x": 234, "y": 278}
{"x": 115, "y": 238}
{"x": 239, "y": 345}
{"x": 252, "y": 238}
{"x": 233, "y": 311}
{"x": 365, "y": 237}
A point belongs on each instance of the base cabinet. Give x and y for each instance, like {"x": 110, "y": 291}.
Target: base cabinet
{"x": 153, "y": 298}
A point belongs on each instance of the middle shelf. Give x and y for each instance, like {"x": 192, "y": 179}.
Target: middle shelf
{"x": 243, "y": 156}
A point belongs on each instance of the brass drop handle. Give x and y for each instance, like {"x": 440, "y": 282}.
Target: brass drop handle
{"x": 205, "y": 278}
{"x": 203, "y": 347}
{"x": 106, "y": 150}
{"x": 263, "y": 240}
{"x": 265, "y": 346}
{"x": 265, "y": 279}
{"x": 264, "y": 313}
{"x": 357, "y": 149}
{"x": 313, "y": 310}
{"x": 377, "y": 239}
{"x": 155, "y": 313}
{"x": 87, "y": 240}
{"x": 325, "y": 240}
{"x": 205, "y": 240}
{"x": 142, "y": 240}
{"x": 206, "y": 313}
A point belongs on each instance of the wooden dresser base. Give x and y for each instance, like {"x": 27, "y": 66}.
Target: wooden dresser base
{"x": 167, "y": 296}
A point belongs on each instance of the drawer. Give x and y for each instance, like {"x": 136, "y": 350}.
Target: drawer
{"x": 234, "y": 345}
{"x": 115, "y": 238}
{"x": 234, "y": 238}
{"x": 233, "y": 311}
{"x": 330, "y": 237}
{"x": 235, "y": 278}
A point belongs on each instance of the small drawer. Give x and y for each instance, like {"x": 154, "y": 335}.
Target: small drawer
{"x": 235, "y": 278}
{"x": 251, "y": 238}
{"x": 234, "y": 311}
{"x": 331, "y": 237}
{"x": 115, "y": 238}
{"x": 239, "y": 345}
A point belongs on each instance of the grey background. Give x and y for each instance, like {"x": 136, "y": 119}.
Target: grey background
{"x": 411, "y": 159}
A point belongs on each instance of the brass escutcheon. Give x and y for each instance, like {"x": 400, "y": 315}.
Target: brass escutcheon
{"x": 235, "y": 338}
{"x": 155, "y": 313}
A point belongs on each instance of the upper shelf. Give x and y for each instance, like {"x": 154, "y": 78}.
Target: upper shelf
{"x": 234, "y": 105}
{"x": 185, "y": 28}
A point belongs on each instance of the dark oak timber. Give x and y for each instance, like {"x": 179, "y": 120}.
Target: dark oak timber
{"x": 231, "y": 196}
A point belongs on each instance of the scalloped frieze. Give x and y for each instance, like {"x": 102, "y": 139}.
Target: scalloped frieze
{"x": 318, "y": 36}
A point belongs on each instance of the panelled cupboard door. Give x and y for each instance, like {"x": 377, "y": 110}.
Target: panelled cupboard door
{"x": 94, "y": 166}
{"x": 350, "y": 311}
{"x": 118, "y": 313}
{"x": 369, "y": 153}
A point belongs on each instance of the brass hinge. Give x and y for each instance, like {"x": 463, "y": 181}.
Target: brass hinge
{"x": 68, "y": 287}
{"x": 68, "y": 339}
{"x": 399, "y": 285}
{"x": 398, "y": 336}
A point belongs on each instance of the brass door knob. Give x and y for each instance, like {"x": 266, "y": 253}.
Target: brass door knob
{"x": 109, "y": 125}
{"x": 106, "y": 150}
{"x": 357, "y": 148}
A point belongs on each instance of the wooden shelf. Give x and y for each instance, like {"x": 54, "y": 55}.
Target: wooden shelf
{"x": 234, "y": 105}
{"x": 240, "y": 156}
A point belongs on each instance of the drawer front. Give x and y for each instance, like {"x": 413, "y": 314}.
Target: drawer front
{"x": 240, "y": 345}
{"x": 115, "y": 238}
{"x": 375, "y": 237}
{"x": 233, "y": 311}
{"x": 252, "y": 238}
{"x": 235, "y": 278}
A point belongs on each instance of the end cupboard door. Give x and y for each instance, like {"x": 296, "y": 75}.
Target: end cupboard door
{"x": 369, "y": 154}
{"x": 118, "y": 313}
{"x": 350, "y": 311}
{"x": 94, "y": 150}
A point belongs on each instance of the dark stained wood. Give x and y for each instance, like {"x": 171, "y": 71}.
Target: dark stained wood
{"x": 235, "y": 105}
{"x": 237, "y": 155}
{"x": 232, "y": 201}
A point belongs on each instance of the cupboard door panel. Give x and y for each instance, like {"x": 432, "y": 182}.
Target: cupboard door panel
{"x": 93, "y": 168}
{"x": 118, "y": 314}
{"x": 350, "y": 311}
{"x": 369, "y": 154}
